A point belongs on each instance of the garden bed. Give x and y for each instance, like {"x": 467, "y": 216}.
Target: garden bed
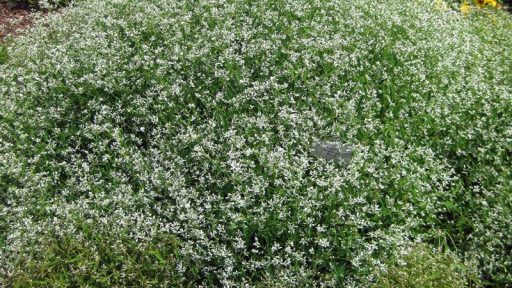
{"x": 13, "y": 20}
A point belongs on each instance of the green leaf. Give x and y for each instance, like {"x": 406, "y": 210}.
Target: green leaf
{"x": 3, "y": 55}
{"x": 157, "y": 254}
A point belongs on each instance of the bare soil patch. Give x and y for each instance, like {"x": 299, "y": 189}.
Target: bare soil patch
{"x": 14, "y": 20}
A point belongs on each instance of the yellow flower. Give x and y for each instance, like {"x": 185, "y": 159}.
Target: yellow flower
{"x": 465, "y": 8}
{"x": 480, "y": 3}
{"x": 483, "y": 3}
{"x": 491, "y": 3}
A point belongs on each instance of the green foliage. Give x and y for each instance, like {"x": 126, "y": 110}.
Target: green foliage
{"x": 421, "y": 267}
{"x": 105, "y": 261}
{"x": 4, "y": 56}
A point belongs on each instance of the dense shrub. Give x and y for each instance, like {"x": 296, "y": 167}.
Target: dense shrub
{"x": 193, "y": 121}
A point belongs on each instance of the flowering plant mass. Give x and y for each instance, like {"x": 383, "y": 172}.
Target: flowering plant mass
{"x": 156, "y": 143}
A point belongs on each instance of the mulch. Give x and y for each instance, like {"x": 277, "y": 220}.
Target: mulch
{"x": 13, "y": 20}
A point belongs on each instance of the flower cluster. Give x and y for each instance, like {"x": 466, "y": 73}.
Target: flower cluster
{"x": 167, "y": 143}
{"x": 467, "y": 7}
{"x": 486, "y": 3}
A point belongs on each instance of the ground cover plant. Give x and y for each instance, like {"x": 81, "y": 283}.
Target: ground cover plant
{"x": 168, "y": 143}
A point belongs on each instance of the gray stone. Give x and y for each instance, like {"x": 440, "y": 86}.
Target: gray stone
{"x": 333, "y": 151}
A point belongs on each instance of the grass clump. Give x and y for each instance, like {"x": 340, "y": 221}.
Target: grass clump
{"x": 194, "y": 121}
{"x": 4, "y": 56}
{"x": 422, "y": 267}
{"x": 117, "y": 260}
